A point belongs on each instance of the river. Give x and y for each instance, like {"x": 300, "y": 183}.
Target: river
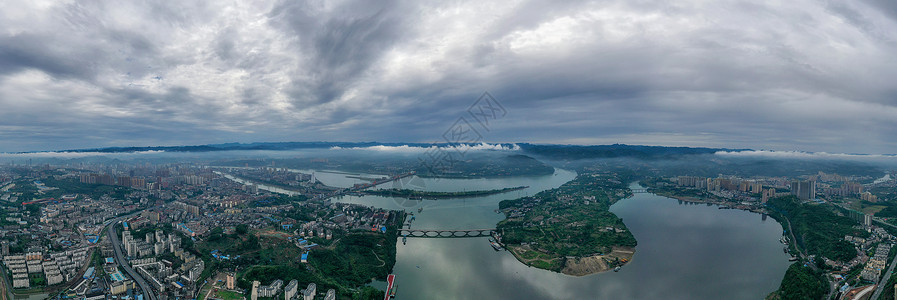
{"x": 685, "y": 251}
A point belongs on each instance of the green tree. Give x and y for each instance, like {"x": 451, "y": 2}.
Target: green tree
{"x": 251, "y": 243}
{"x": 242, "y": 229}
{"x": 216, "y": 234}
{"x": 33, "y": 208}
{"x": 802, "y": 283}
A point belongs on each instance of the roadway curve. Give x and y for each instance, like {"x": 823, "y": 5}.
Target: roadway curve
{"x": 120, "y": 259}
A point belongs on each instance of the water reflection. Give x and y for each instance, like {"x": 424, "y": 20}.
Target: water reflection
{"x": 685, "y": 251}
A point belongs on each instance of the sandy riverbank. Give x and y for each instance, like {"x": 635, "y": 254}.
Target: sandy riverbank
{"x": 578, "y": 266}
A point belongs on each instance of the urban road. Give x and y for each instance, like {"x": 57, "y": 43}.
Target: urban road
{"x": 120, "y": 258}
{"x": 887, "y": 275}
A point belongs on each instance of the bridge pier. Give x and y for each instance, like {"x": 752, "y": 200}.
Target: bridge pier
{"x": 436, "y": 233}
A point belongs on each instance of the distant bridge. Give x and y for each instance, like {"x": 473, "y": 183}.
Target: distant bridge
{"x": 447, "y": 233}
{"x": 640, "y": 191}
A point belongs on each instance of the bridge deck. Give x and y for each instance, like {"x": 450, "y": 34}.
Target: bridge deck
{"x": 446, "y": 233}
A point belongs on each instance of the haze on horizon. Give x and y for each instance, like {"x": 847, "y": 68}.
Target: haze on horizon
{"x": 797, "y": 75}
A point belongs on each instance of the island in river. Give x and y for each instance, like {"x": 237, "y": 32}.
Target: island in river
{"x": 569, "y": 229}
{"x": 415, "y": 194}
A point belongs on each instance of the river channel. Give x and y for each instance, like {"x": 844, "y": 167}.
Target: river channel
{"x": 685, "y": 251}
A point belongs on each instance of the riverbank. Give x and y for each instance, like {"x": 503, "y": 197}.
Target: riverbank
{"x": 574, "y": 266}
{"x": 416, "y": 194}
{"x": 618, "y": 257}
{"x": 722, "y": 204}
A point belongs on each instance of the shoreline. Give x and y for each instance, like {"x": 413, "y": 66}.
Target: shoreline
{"x": 423, "y": 195}
{"x": 595, "y": 264}
{"x": 581, "y": 266}
{"x": 540, "y": 227}
{"x": 690, "y": 199}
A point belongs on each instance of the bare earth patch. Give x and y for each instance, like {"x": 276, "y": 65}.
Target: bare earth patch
{"x": 597, "y": 263}
{"x": 580, "y": 266}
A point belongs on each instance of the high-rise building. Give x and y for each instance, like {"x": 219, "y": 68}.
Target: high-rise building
{"x": 804, "y": 189}
{"x": 867, "y": 196}
{"x": 254, "y": 295}
{"x": 290, "y": 291}
{"x": 124, "y": 181}
{"x": 229, "y": 282}
{"x": 767, "y": 194}
{"x": 309, "y": 292}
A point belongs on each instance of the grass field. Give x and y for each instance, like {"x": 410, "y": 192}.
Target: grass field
{"x": 228, "y": 295}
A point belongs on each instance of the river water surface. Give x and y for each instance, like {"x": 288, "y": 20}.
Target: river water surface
{"x": 685, "y": 251}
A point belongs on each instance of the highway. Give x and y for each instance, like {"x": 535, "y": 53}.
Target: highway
{"x": 120, "y": 259}
{"x": 887, "y": 275}
{"x": 884, "y": 279}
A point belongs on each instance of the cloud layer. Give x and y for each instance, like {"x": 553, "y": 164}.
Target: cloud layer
{"x": 416, "y": 149}
{"x": 802, "y": 75}
{"x": 806, "y": 155}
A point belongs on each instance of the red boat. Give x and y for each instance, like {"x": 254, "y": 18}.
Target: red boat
{"x": 390, "y": 289}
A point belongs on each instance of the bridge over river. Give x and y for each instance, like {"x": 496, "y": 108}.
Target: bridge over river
{"x": 446, "y": 233}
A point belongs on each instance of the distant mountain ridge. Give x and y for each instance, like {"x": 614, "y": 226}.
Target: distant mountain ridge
{"x": 256, "y": 146}
{"x": 552, "y": 151}
{"x": 615, "y": 150}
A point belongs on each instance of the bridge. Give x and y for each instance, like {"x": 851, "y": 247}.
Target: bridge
{"x": 446, "y": 233}
{"x": 640, "y": 191}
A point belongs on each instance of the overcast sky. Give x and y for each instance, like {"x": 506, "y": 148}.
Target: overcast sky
{"x": 782, "y": 75}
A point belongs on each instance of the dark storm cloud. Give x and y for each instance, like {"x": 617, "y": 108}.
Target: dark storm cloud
{"x": 802, "y": 75}
{"x": 888, "y": 8}
{"x": 338, "y": 44}
{"x": 29, "y": 51}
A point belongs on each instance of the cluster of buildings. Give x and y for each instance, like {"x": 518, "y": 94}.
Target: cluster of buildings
{"x": 95, "y": 286}
{"x": 55, "y": 267}
{"x": 878, "y": 237}
{"x": 153, "y": 244}
{"x": 163, "y": 275}
{"x": 845, "y": 189}
{"x": 193, "y": 199}
{"x": 290, "y": 292}
{"x": 165, "y": 279}
{"x": 727, "y": 187}
{"x": 306, "y": 184}
{"x": 281, "y": 176}
{"x": 345, "y": 217}
{"x": 832, "y": 185}
{"x": 872, "y": 270}
{"x": 867, "y": 196}
{"x": 87, "y": 214}
{"x": 161, "y": 179}
{"x": 6, "y": 183}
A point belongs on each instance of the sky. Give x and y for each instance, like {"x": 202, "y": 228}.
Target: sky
{"x": 778, "y": 75}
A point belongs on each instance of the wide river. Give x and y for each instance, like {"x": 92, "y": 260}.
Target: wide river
{"x": 685, "y": 251}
